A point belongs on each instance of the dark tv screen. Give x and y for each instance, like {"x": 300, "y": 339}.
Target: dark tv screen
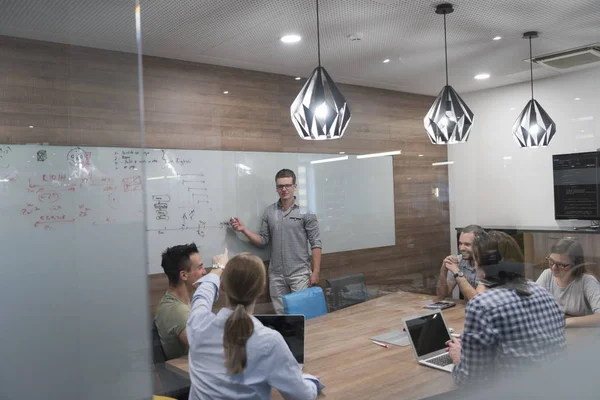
{"x": 576, "y": 186}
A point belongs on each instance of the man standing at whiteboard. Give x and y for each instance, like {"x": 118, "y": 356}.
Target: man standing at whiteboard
{"x": 292, "y": 229}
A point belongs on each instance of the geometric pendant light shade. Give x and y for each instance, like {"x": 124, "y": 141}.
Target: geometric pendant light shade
{"x": 320, "y": 111}
{"x": 533, "y": 127}
{"x": 449, "y": 119}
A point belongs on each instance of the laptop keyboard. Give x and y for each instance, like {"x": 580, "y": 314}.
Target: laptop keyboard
{"x": 441, "y": 361}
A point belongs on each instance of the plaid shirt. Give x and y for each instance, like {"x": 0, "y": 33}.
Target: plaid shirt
{"x": 505, "y": 331}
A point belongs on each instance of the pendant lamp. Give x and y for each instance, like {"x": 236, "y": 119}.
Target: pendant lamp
{"x": 320, "y": 111}
{"x": 534, "y": 127}
{"x": 449, "y": 119}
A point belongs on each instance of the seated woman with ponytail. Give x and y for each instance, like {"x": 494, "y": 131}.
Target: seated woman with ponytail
{"x": 232, "y": 355}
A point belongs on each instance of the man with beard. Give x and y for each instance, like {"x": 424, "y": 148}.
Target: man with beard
{"x": 460, "y": 269}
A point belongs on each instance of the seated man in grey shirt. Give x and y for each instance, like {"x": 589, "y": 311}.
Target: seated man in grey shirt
{"x": 577, "y": 292}
{"x": 461, "y": 270}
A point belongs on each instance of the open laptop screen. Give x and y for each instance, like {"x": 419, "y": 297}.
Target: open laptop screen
{"x": 291, "y": 327}
{"x": 428, "y": 333}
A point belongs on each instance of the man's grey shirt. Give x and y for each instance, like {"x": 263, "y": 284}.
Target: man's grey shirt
{"x": 467, "y": 269}
{"x": 290, "y": 232}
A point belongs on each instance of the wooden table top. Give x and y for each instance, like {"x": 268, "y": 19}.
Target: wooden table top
{"x": 339, "y": 352}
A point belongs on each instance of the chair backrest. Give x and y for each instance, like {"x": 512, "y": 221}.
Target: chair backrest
{"x": 346, "y": 291}
{"x": 169, "y": 383}
{"x": 309, "y": 302}
{"x": 158, "y": 353}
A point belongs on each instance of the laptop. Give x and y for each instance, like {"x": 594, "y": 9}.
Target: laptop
{"x": 291, "y": 327}
{"x": 428, "y": 335}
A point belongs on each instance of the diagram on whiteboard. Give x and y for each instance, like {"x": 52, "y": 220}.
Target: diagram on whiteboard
{"x": 59, "y": 187}
{"x": 173, "y": 197}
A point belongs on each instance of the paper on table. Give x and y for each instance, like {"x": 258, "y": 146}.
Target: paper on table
{"x": 395, "y": 337}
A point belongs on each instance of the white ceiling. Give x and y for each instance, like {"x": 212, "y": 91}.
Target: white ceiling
{"x": 245, "y": 34}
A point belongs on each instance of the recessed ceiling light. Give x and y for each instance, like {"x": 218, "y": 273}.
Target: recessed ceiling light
{"x": 225, "y": 92}
{"x": 577, "y": 98}
{"x": 297, "y": 78}
{"x": 291, "y": 38}
{"x": 387, "y": 60}
{"x": 497, "y": 38}
{"x": 31, "y": 126}
{"x": 420, "y": 155}
{"x": 342, "y": 152}
{"x": 480, "y": 77}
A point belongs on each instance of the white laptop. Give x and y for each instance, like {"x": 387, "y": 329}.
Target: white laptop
{"x": 428, "y": 335}
{"x": 291, "y": 327}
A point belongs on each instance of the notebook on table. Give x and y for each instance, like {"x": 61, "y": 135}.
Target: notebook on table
{"x": 395, "y": 337}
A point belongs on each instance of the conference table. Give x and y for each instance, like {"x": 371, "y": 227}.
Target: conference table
{"x": 339, "y": 352}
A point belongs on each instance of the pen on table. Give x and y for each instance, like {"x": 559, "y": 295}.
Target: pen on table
{"x": 380, "y": 344}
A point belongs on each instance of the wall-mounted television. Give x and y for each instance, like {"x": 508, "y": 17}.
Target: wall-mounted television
{"x": 576, "y": 186}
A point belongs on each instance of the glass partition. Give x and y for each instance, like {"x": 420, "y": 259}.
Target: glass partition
{"x": 75, "y": 320}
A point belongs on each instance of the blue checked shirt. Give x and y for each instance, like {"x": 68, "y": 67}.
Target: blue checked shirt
{"x": 504, "y": 332}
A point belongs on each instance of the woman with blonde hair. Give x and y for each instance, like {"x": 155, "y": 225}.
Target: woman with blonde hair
{"x": 232, "y": 355}
{"x": 576, "y": 292}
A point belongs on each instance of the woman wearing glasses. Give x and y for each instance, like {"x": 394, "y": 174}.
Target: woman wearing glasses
{"x": 576, "y": 291}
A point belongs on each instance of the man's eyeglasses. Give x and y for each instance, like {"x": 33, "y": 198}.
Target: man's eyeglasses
{"x": 281, "y": 187}
{"x": 552, "y": 262}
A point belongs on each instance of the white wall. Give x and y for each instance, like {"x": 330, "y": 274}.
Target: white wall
{"x": 494, "y": 182}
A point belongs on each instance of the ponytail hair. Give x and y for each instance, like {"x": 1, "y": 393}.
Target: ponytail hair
{"x": 238, "y": 329}
{"x": 244, "y": 281}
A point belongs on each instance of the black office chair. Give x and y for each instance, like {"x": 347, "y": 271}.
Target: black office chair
{"x": 345, "y": 291}
{"x": 172, "y": 384}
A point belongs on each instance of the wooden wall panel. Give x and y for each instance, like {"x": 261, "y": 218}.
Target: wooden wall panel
{"x": 82, "y": 96}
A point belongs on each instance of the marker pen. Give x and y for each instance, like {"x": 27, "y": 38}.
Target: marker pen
{"x": 380, "y": 344}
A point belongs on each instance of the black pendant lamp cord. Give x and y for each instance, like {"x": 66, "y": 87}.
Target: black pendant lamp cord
{"x": 445, "y": 48}
{"x": 531, "y": 66}
{"x": 318, "y": 35}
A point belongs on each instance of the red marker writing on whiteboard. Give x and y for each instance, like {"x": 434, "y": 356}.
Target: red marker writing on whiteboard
{"x": 380, "y": 344}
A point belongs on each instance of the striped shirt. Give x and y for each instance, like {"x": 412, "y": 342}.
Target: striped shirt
{"x": 290, "y": 232}
{"x": 505, "y": 332}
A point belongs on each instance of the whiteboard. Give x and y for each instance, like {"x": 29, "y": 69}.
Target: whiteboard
{"x": 183, "y": 196}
